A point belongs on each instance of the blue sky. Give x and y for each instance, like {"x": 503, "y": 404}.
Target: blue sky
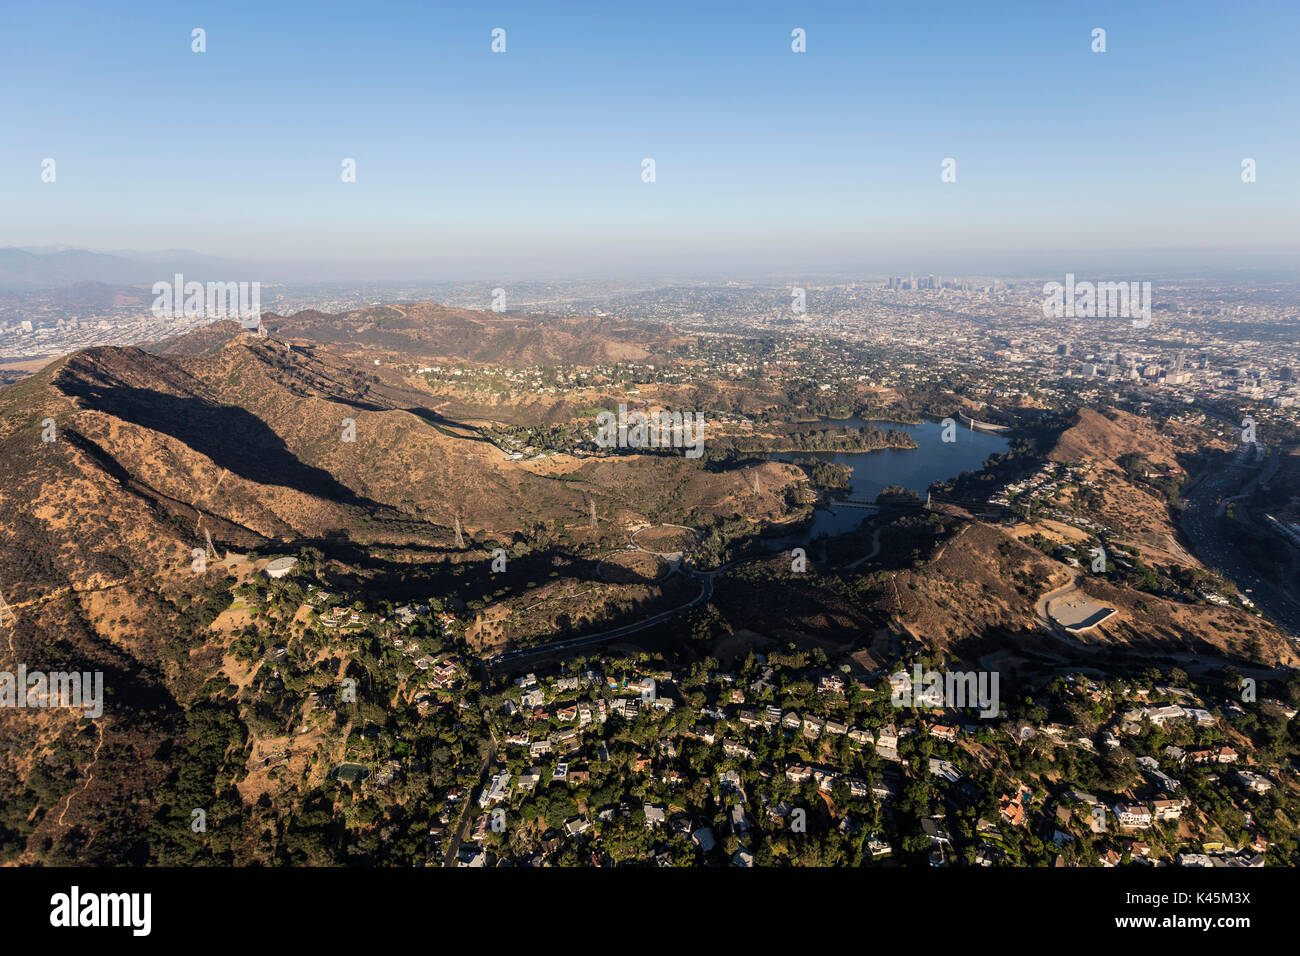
{"x": 530, "y": 161}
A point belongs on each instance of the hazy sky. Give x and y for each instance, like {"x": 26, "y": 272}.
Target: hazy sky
{"x": 530, "y": 161}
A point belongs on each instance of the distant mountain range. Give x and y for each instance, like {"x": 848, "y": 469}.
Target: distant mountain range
{"x": 31, "y": 269}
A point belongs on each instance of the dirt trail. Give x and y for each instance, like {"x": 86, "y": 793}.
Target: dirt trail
{"x": 90, "y": 774}
{"x": 875, "y": 550}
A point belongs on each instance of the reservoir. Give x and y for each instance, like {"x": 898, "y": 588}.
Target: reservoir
{"x": 915, "y": 468}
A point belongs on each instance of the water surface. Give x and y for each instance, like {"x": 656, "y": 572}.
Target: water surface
{"x": 916, "y": 468}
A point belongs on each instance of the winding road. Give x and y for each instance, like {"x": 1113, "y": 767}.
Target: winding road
{"x": 706, "y": 593}
{"x": 453, "y": 846}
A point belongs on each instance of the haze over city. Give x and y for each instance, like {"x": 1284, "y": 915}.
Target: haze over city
{"x": 528, "y": 162}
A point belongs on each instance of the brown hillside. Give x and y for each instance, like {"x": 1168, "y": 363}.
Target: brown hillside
{"x": 1106, "y": 437}
{"x": 436, "y": 332}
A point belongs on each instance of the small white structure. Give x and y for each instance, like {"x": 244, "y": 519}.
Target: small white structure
{"x": 279, "y": 567}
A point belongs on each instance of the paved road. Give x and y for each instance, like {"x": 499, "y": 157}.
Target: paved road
{"x": 449, "y": 859}
{"x": 706, "y": 593}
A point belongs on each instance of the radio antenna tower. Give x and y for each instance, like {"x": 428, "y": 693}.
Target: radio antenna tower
{"x": 211, "y": 551}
